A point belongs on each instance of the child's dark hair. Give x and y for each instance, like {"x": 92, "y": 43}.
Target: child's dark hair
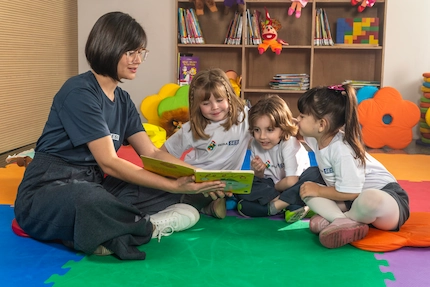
{"x": 278, "y": 112}
{"x": 338, "y": 106}
{"x": 204, "y": 84}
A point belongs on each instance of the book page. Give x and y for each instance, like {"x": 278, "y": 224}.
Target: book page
{"x": 164, "y": 168}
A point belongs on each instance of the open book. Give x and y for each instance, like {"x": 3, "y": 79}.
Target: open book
{"x": 237, "y": 181}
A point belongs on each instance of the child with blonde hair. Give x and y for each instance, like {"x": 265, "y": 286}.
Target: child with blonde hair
{"x": 280, "y": 162}
{"x": 359, "y": 190}
{"x": 217, "y": 133}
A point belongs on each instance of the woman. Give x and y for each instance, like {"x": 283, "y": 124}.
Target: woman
{"x": 64, "y": 194}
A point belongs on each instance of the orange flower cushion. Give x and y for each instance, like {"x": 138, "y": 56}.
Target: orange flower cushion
{"x": 414, "y": 233}
{"x": 387, "y": 119}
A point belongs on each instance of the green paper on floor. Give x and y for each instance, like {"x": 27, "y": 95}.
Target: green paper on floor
{"x": 233, "y": 252}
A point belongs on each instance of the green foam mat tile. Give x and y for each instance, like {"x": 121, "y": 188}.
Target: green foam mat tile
{"x": 232, "y": 252}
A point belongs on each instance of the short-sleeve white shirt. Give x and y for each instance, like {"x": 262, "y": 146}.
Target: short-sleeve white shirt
{"x": 288, "y": 158}
{"x": 224, "y": 150}
{"x": 340, "y": 169}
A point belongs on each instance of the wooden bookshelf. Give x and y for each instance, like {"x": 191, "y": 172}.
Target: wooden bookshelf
{"x": 326, "y": 65}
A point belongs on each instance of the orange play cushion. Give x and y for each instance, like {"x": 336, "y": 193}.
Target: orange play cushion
{"x": 414, "y": 233}
{"x": 400, "y": 116}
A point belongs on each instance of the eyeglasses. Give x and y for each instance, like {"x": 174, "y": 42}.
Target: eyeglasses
{"x": 133, "y": 55}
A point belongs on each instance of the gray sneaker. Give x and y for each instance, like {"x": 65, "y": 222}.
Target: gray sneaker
{"x": 176, "y": 217}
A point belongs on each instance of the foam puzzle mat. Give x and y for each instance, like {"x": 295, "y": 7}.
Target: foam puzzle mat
{"x": 235, "y": 251}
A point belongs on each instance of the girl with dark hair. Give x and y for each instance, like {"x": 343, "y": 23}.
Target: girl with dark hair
{"x": 359, "y": 190}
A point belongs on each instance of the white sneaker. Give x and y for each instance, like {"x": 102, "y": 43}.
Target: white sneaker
{"x": 176, "y": 217}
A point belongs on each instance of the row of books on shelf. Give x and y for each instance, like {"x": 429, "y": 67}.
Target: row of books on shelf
{"x": 358, "y": 84}
{"x": 292, "y": 82}
{"x": 234, "y": 31}
{"x": 189, "y": 27}
{"x": 323, "y": 35}
{"x": 253, "y": 25}
{"x": 235, "y": 28}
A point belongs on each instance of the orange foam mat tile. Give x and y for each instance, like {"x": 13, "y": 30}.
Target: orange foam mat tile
{"x": 412, "y": 167}
{"x": 10, "y": 178}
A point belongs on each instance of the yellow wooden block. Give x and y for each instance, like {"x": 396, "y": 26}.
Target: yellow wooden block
{"x": 372, "y": 40}
{"x": 348, "y": 39}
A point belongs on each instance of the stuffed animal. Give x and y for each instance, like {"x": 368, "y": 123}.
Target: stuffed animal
{"x": 297, "y": 6}
{"x": 199, "y": 4}
{"x": 228, "y": 4}
{"x": 364, "y": 4}
{"x": 269, "y": 33}
{"x": 235, "y": 81}
{"x": 173, "y": 120}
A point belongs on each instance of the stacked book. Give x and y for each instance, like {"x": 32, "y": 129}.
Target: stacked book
{"x": 322, "y": 29}
{"x": 189, "y": 28}
{"x": 292, "y": 82}
{"x": 357, "y": 84}
{"x": 234, "y": 31}
{"x": 253, "y": 36}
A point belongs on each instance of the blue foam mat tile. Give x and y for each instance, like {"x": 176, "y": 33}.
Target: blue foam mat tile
{"x": 25, "y": 261}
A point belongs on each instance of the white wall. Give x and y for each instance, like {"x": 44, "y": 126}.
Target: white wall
{"x": 158, "y": 20}
{"x": 407, "y": 44}
{"x": 407, "y": 48}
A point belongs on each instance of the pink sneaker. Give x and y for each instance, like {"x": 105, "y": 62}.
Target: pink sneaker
{"x": 317, "y": 223}
{"x": 342, "y": 231}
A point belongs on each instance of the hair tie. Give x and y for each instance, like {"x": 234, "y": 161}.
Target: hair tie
{"x": 336, "y": 88}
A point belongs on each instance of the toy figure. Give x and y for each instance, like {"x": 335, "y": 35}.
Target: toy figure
{"x": 173, "y": 120}
{"x": 297, "y": 6}
{"x": 269, "y": 33}
{"x": 235, "y": 81}
{"x": 364, "y": 4}
{"x": 199, "y": 4}
{"x": 229, "y": 3}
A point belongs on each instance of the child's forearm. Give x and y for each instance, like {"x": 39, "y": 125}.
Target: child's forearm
{"x": 286, "y": 183}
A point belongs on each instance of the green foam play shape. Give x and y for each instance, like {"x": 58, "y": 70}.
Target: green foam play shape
{"x": 233, "y": 252}
{"x": 179, "y": 100}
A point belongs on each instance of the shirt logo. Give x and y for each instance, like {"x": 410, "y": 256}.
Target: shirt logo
{"x": 114, "y": 137}
{"x": 212, "y": 145}
{"x": 328, "y": 170}
{"x": 235, "y": 142}
{"x": 267, "y": 164}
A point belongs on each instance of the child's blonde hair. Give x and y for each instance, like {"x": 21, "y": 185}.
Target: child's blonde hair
{"x": 278, "y": 112}
{"x": 204, "y": 84}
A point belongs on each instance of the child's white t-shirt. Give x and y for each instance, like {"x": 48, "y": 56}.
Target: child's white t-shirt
{"x": 224, "y": 150}
{"x": 340, "y": 169}
{"x": 288, "y": 158}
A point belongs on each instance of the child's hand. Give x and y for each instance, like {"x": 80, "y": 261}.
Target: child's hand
{"x": 257, "y": 164}
{"x": 218, "y": 194}
{"x": 309, "y": 188}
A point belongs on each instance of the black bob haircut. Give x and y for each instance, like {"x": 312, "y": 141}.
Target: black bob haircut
{"x": 113, "y": 34}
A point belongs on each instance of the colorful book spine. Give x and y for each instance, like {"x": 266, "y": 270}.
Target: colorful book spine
{"x": 250, "y": 34}
{"x": 327, "y": 25}
{"x": 182, "y": 26}
{"x": 197, "y": 25}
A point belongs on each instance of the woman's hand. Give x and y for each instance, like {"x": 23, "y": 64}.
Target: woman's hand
{"x": 188, "y": 185}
